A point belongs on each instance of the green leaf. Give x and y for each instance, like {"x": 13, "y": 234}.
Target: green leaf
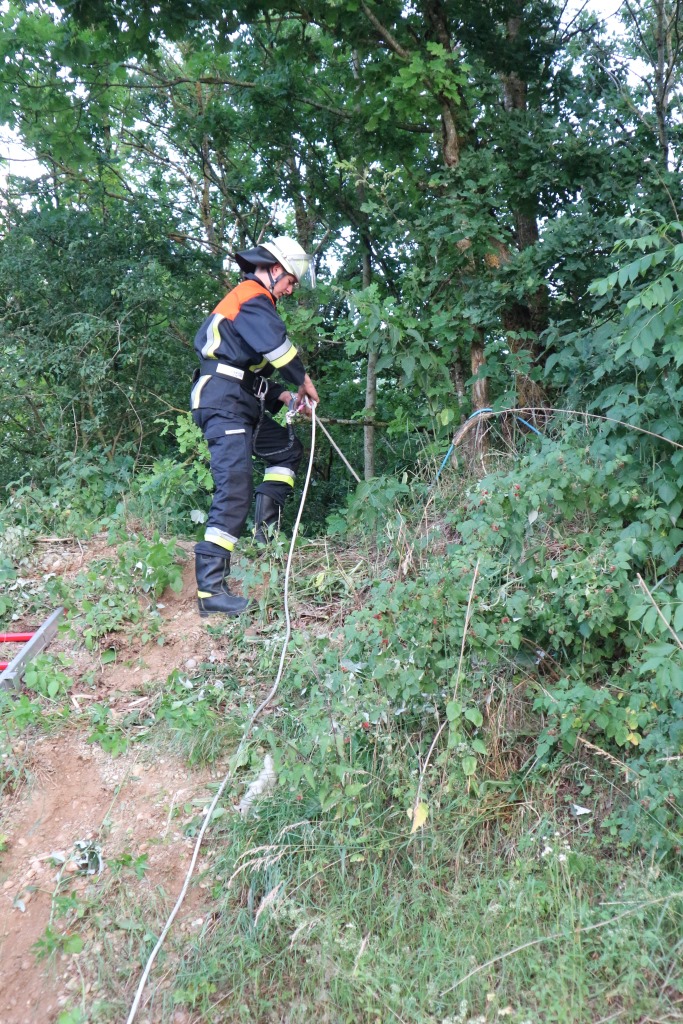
{"x": 354, "y": 788}
{"x": 408, "y": 365}
{"x": 667, "y": 492}
{"x": 678, "y": 619}
{"x": 453, "y": 710}
{"x": 127, "y": 924}
{"x": 475, "y": 716}
{"x": 419, "y": 816}
{"x": 636, "y": 611}
{"x": 469, "y": 765}
{"x": 650, "y": 620}
{"x": 73, "y": 944}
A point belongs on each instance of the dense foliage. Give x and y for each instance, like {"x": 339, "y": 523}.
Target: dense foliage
{"x": 494, "y": 204}
{"x": 457, "y": 170}
{"x": 463, "y": 174}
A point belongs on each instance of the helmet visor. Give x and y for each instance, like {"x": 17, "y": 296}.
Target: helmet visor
{"x": 307, "y": 277}
{"x": 292, "y": 258}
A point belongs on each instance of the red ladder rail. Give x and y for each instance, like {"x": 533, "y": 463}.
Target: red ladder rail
{"x": 13, "y": 638}
{"x": 33, "y": 643}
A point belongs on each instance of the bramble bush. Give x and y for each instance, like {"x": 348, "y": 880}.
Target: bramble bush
{"x": 556, "y": 613}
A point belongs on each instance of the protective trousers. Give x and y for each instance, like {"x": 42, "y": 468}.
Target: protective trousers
{"x": 229, "y": 433}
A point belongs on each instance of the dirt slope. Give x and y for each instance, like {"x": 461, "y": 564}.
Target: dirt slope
{"x": 126, "y": 805}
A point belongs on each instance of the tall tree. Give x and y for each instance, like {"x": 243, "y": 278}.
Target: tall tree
{"x": 459, "y": 163}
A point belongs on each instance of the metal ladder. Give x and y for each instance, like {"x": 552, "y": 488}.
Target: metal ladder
{"x": 33, "y": 643}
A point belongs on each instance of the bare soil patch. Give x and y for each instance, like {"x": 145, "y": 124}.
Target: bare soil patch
{"x": 126, "y": 806}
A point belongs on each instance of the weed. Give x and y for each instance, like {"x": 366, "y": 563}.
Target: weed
{"x": 371, "y": 504}
{"x": 200, "y": 713}
{"x": 44, "y": 677}
{"x": 75, "y": 1016}
{"x": 127, "y": 862}
{"x": 20, "y": 591}
{"x": 107, "y": 597}
{"x": 150, "y": 565}
{"x": 22, "y": 717}
{"x": 105, "y": 732}
{"x": 53, "y": 943}
{"x": 74, "y": 500}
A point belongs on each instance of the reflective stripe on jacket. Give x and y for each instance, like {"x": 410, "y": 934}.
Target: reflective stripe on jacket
{"x": 246, "y": 331}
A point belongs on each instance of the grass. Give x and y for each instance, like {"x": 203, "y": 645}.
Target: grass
{"x": 504, "y": 906}
{"x": 381, "y": 926}
{"x": 491, "y": 913}
{"x": 522, "y": 916}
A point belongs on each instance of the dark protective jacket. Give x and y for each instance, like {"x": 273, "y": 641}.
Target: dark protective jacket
{"x": 244, "y": 332}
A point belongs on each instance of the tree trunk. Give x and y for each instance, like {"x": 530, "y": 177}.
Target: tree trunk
{"x": 306, "y": 222}
{"x": 480, "y": 388}
{"x": 371, "y": 373}
{"x": 458, "y": 378}
{"x": 480, "y": 394}
{"x": 370, "y": 391}
{"x": 205, "y": 202}
{"x": 663, "y": 73}
{"x": 523, "y": 321}
{"x": 207, "y": 218}
{"x": 435, "y": 16}
{"x": 369, "y": 411}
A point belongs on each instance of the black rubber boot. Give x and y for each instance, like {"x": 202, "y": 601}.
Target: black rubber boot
{"x": 213, "y": 593}
{"x": 266, "y": 518}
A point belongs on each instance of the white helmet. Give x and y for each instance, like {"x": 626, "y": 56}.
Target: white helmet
{"x": 289, "y": 254}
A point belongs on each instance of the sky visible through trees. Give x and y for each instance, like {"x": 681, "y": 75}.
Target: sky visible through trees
{"x": 493, "y": 195}
{"x": 459, "y": 171}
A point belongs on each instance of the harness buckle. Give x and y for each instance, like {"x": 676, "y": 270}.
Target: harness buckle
{"x": 260, "y": 387}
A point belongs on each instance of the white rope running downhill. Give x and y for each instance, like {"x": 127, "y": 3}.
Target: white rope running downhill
{"x": 245, "y": 736}
{"x": 482, "y": 413}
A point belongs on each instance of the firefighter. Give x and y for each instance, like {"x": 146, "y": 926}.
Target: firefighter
{"x": 239, "y": 346}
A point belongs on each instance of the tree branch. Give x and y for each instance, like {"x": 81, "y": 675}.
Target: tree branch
{"x": 384, "y": 32}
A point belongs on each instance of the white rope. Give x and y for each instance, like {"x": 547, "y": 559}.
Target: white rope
{"x": 339, "y": 452}
{"x": 245, "y": 736}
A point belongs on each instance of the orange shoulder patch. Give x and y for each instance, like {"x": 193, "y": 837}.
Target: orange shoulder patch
{"x": 230, "y": 306}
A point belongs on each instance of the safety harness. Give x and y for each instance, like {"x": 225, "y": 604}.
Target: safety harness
{"x": 253, "y": 383}
{"x": 256, "y": 386}
{"x": 291, "y": 438}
